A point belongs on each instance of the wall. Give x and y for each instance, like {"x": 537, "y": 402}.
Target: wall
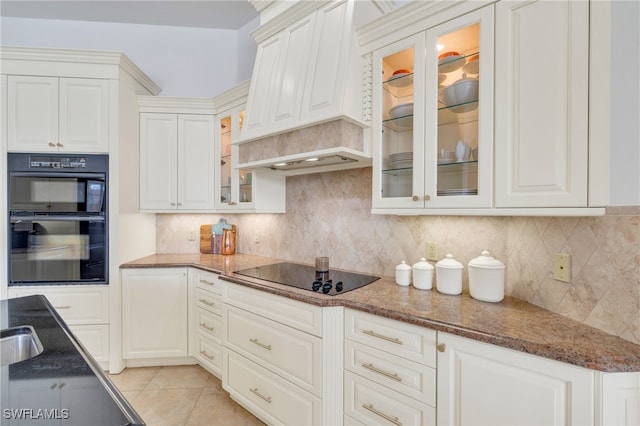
{"x": 189, "y": 62}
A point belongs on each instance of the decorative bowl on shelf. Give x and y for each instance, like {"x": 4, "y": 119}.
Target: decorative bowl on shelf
{"x": 450, "y": 61}
{"x": 472, "y": 65}
{"x": 401, "y": 78}
{"x": 462, "y": 95}
{"x": 401, "y": 110}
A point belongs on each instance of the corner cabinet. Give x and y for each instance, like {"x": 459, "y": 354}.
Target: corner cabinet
{"x": 176, "y": 155}
{"x": 432, "y": 117}
{"x": 54, "y": 114}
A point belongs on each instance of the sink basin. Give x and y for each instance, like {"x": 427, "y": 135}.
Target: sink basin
{"x": 18, "y": 344}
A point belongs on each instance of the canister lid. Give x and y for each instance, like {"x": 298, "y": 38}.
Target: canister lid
{"x": 423, "y": 264}
{"x": 449, "y": 263}
{"x": 485, "y": 260}
{"x": 403, "y": 266}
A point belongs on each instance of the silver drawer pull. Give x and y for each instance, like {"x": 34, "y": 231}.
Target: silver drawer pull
{"x": 204, "y": 325}
{"x": 206, "y": 302}
{"x": 387, "y": 417}
{"x": 207, "y": 282}
{"x": 63, "y": 307}
{"x": 256, "y": 392}
{"x": 381, "y": 336}
{"x": 259, "y": 343}
{"x": 372, "y": 367}
{"x": 206, "y": 355}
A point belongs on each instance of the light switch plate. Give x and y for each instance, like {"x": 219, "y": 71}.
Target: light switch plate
{"x": 562, "y": 267}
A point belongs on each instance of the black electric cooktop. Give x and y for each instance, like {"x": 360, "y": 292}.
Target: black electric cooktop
{"x": 306, "y": 277}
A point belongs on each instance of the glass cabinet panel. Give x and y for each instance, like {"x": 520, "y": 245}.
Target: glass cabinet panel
{"x": 245, "y": 181}
{"x": 235, "y": 185}
{"x": 225, "y": 160}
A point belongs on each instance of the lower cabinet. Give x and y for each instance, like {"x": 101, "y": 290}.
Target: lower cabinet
{"x": 85, "y": 309}
{"x": 483, "y": 384}
{"x": 154, "y": 313}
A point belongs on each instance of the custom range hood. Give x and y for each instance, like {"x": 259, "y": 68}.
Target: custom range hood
{"x": 308, "y": 108}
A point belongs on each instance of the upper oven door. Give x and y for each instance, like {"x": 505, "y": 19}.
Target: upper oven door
{"x": 57, "y": 193}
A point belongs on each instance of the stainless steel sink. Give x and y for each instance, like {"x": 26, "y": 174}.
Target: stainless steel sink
{"x": 18, "y": 344}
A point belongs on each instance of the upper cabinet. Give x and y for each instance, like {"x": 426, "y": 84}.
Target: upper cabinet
{"x": 459, "y": 127}
{"x": 50, "y": 114}
{"x": 432, "y": 117}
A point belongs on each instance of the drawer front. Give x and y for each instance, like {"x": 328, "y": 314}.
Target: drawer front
{"x": 209, "y": 324}
{"x": 415, "y": 380}
{"x": 295, "y": 355}
{"x": 209, "y": 354}
{"x": 302, "y": 316}
{"x": 269, "y": 396}
{"x": 209, "y": 281}
{"x": 77, "y": 305}
{"x": 398, "y": 338}
{"x": 208, "y": 301}
{"x": 373, "y": 404}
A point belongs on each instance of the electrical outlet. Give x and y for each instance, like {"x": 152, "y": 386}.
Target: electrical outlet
{"x": 192, "y": 236}
{"x": 257, "y": 236}
{"x": 562, "y": 267}
{"x": 432, "y": 250}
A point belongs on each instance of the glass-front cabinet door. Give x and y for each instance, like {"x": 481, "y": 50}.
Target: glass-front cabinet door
{"x": 235, "y": 186}
{"x": 434, "y": 104}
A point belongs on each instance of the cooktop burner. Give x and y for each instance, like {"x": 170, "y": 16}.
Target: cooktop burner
{"x": 305, "y": 277}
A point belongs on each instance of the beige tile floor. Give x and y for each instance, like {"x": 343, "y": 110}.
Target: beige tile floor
{"x": 180, "y": 395}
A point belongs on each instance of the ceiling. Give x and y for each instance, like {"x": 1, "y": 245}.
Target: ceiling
{"x": 230, "y": 14}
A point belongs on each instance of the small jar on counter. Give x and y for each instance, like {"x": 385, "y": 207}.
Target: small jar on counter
{"x": 423, "y": 275}
{"x": 403, "y": 274}
{"x": 449, "y": 275}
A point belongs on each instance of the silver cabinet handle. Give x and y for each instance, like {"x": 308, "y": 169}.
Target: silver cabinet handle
{"x": 206, "y": 302}
{"x": 51, "y": 144}
{"x": 173, "y": 204}
{"x": 381, "y": 336}
{"x": 387, "y": 417}
{"x": 232, "y": 203}
{"x": 256, "y": 392}
{"x": 207, "y": 282}
{"x": 59, "y": 145}
{"x": 259, "y": 343}
{"x": 206, "y": 355}
{"x": 204, "y": 325}
{"x": 63, "y": 307}
{"x": 372, "y": 367}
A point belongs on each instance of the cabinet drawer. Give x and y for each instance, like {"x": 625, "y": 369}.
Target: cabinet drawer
{"x": 401, "y": 339}
{"x": 209, "y": 324}
{"x": 272, "y": 398}
{"x": 77, "y": 305}
{"x": 410, "y": 378}
{"x": 208, "y": 301}
{"x": 373, "y": 404}
{"x": 209, "y": 281}
{"x": 95, "y": 338}
{"x": 209, "y": 353}
{"x": 302, "y": 316}
{"x": 295, "y": 355}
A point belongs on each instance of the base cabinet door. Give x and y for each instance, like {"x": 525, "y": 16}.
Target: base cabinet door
{"x": 154, "y": 313}
{"x": 482, "y": 384}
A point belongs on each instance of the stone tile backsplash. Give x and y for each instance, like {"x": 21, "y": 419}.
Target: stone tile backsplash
{"x": 329, "y": 214}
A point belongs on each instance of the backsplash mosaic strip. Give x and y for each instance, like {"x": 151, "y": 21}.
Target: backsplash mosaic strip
{"x": 329, "y": 214}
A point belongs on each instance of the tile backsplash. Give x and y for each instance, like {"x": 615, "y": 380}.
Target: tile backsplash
{"x": 329, "y": 214}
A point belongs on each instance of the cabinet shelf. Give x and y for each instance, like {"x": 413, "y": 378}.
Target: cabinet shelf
{"x": 461, "y": 62}
{"x": 399, "y": 124}
{"x": 400, "y": 171}
{"x": 451, "y": 164}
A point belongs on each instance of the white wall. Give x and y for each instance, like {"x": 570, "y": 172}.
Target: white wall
{"x": 190, "y": 62}
{"x": 247, "y": 49}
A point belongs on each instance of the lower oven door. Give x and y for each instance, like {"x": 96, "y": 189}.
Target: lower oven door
{"x": 58, "y": 250}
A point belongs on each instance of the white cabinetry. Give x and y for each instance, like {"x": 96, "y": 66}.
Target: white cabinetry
{"x": 483, "y": 384}
{"x": 390, "y": 371}
{"x": 85, "y": 309}
{"x": 154, "y": 313}
{"x": 273, "y": 356}
{"x": 177, "y": 168}
{"x": 205, "y": 326}
{"x": 542, "y": 103}
{"x": 57, "y": 114}
{"x": 620, "y": 399}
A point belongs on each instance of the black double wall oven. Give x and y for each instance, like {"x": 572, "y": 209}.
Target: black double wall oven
{"x": 58, "y": 219}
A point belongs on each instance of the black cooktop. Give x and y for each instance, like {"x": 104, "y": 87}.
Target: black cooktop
{"x": 306, "y": 277}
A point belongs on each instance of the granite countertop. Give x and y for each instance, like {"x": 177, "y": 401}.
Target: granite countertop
{"x": 63, "y": 382}
{"x": 512, "y": 323}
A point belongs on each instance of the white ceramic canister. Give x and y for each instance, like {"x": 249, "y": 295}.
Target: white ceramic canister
{"x": 449, "y": 275}
{"x": 422, "y": 275}
{"x": 486, "y": 278}
{"x": 403, "y": 274}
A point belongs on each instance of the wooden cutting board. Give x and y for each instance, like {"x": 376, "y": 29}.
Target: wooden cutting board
{"x": 205, "y": 239}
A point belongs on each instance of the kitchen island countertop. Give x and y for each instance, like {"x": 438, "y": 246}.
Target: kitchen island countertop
{"x": 512, "y": 323}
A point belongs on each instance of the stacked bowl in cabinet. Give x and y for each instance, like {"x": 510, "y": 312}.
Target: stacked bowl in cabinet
{"x": 208, "y": 320}
{"x": 390, "y": 372}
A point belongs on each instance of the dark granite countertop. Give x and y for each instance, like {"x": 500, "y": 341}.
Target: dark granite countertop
{"x": 62, "y": 383}
{"x": 512, "y": 323}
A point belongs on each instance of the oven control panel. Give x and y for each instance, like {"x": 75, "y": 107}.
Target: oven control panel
{"x": 46, "y": 162}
